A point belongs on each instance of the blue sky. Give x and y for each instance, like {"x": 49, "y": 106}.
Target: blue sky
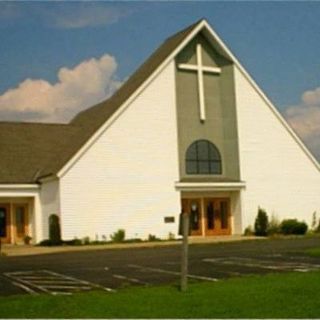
{"x": 277, "y": 42}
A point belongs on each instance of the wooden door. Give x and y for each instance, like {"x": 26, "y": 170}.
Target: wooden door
{"x": 21, "y": 222}
{"x": 193, "y": 208}
{"x": 217, "y": 216}
{"x": 5, "y": 223}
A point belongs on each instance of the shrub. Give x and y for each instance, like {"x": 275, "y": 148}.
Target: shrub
{"x": 248, "y": 231}
{"x": 118, "y": 236}
{"x": 171, "y": 236}
{"x": 54, "y": 230}
{"x": 317, "y": 229}
{"x": 314, "y": 221}
{"x": 152, "y": 237}
{"x": 261, "y": 223}
{"x": 293, "y": 226}
{"x": 274, "y": 226}
{"x": 85, "y": 240}
{"x": 73, "y": 242}
{"x": 45, "y": 243}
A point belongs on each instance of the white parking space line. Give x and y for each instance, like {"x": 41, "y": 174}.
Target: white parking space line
{"x": 133, "y": 280}
{"x": 50, "y": 282}
{"x": 94, "y": 285}
{"x": 25, "y": 288}
{"x": 27, "y": 284}
{"x": 243, "y": 263}
{"x": 302, "y": 270}
{"x": 263, "y": 264}
{"x": 191, "y": 276}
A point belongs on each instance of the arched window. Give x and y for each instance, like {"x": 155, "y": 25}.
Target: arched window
{"x": 203, "y": 157}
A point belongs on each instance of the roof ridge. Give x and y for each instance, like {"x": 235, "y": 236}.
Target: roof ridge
{"x": 133, "y": 75}
{"x": 33, "y": 123}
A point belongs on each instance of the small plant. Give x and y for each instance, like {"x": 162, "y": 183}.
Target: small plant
{"x": 248, "y": 231}
{"x": 54, "y": 230}
{"x": 261, "y": 223}
{"x": 314, "y": 221}
{"x": 293, "y": 226}
{"x": 274, "y": 226}
{"x": 73, "y": 242}
{"x": 118, "y": 236}
{"x": 152, "y": 237}
{"x": 317, "y": 229}
{"x": 27, "y": 239}
{"x": 85, "y": 240}
{"x": 171, "y": 236}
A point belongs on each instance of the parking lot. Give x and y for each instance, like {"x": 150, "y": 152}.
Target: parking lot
{"x": 111, "y": 270}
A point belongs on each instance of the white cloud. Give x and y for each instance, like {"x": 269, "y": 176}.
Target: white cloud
{"x": 63, "y": 14}
{"x": 305, "y": 119}
{"x": 86, "y": 84}
{"x": 83, "y": 15}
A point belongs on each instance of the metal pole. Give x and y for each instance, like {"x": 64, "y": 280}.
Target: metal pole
{"x": 184, "y": 258}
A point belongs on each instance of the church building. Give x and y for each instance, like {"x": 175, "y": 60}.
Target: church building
{"x": 189, "y": 131}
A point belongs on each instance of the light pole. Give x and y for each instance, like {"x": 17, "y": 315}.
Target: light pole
{"x": 184, "y": 256}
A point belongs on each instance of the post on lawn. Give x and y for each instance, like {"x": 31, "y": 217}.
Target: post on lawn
{"x": 184, "y": 257}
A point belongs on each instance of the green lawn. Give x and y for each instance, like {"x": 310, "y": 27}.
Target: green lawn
{"x": 290, "y": 295}
{"x": 314, "y": 252}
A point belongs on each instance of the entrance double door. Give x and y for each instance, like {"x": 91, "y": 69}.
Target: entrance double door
{"x": 208, "y": 216}
{"x": 13, "y": 226}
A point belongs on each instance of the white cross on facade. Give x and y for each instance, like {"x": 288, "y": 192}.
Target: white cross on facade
{"x": 200, "y": 68}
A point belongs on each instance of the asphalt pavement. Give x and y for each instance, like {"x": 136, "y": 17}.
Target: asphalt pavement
{"x": 111, "y": 270}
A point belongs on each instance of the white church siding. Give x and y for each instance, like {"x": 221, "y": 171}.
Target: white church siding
{"x": 279, "y": 175}
{"x": 50, "y": 203}
{"x": 126, "y": 178}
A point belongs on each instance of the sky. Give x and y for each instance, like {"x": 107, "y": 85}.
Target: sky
{"x": 58, "y": 58}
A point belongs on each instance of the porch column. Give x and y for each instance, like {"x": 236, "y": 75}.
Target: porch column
{"x": 37, "y": 219}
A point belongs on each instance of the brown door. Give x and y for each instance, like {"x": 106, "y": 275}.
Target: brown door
{"x": 193, "y": 207}
{"x": 4, "y": 223}
{"x": 21, "y": 222}
{"x": 217, "y": 216}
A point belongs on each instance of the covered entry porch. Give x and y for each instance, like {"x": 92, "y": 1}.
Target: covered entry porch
{"x": 214, "y": 208}
{"x": 18, "y": 219}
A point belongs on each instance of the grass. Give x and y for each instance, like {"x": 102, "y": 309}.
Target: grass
{"x": 314, "y": 252}
{"x": 290, "y": 295}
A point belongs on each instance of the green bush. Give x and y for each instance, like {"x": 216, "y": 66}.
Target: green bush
{"x": 54, "y": 230}
{"x": 293, "y": 226}
{"x": 118, "y": 236}
{"x": 317, "y": 229}
{"x": 73, "y": 242}
{"x": 45, "y": 243}
{"x": 261, "y": 223}
{"x": 152, "y": 237}
{"x": 248, "y": 231}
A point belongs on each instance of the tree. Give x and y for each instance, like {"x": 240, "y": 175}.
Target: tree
{"x": 261, "y": 223}
{"x": 54, "y": 230}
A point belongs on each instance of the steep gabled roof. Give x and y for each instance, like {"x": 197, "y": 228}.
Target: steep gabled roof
{"x": 27, "y": 148}
{"x": 29, "y": 151}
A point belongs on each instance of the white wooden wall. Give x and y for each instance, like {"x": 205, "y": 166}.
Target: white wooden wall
{"x": 126, "y": 178}
{"x": 279, "y": 176}
{"x": 50, "y": 204}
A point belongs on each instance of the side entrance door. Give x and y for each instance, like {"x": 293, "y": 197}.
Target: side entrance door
{"x": 21, "y": 222}
{"x": 193, "y": 207}
{"x": 4, "y": 223}
{"x": 217, "y": 216}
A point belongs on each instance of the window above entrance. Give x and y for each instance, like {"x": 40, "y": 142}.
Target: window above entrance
{"x": 203, "y": 157}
